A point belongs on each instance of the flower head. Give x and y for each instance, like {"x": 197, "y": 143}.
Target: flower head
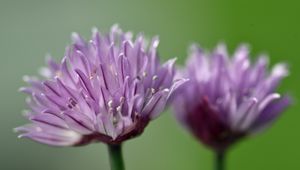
{"x": 228, "y": 98}
{"x": 105, "y": 90}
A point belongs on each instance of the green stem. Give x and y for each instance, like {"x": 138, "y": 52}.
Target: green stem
{"x": 115, "y": 157}
{"x": 220, "y": 160}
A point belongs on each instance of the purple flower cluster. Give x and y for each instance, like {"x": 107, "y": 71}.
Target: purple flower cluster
{"x": 105, "y": 90}
{"x": 109, "y": 88}
{"x": 228, "y": 98}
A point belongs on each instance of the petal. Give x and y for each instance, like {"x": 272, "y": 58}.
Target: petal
{"x": 78, "y": 41}
{"x": 53, "y": 65}
{"x": 270, "y": 113}
{"x": 79, "y": 122}
{"x": 177, "y": 84}
{"x": 55, "y": 137}
{"x": 49, "y": 119}
{"x": 87, "y": 84}
{"x": 156, "y": 104}
{"x": 70, "y": 138}
{"x": 107, "y": 125}
{"x": 67, "y": 76}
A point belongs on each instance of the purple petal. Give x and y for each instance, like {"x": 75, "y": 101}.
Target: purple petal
{"x": 156, "y": 104}
{"x": 271, "y": 112}
{"x": 79, "y": 122}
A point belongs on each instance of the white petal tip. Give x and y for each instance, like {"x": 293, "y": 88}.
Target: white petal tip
{"x": 276, "y": 96}
{"x": 26, "y": 78}
{"x": 156, "y": 42}
{"x": 95, "y": 30}
{"x": 115, "y": 26}
{"x": 254, "y": 100}
{"x": 280, "y": 70}
{"x": 75, "y": 37}
{"x": 21, "y": 89}
{"x": 15, "y": 130}
{"x": 44, "y": 71}
{"x": 167, "y": 90}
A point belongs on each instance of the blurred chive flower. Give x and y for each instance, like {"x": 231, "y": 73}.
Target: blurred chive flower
{"x": 226, "y": 98}
{"x": 104, "y": 90}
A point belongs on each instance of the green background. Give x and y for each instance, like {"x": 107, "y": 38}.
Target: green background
{"x": 30, "y": 29}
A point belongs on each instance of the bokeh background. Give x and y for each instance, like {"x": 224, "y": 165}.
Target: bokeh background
{"x": 29, "y": 29}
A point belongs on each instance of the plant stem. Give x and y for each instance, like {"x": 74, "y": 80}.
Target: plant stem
{"x": 220, "y": 160}
{"x": 115, "y": 157}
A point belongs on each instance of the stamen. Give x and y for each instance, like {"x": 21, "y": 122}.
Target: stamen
{"x": 122, "y": 99}
{"x": 112, "y": 70}
{"x": 58, "y": 74}
{"x": 109, "y": 103}
{"x": 72, "y": 102}
{"x": 166, "y": 90}
{"x": 115, "y": 120}
{"x": 69, "y": 106}
{"x": 136, "y": 113}
{"x": 155, "y": 77}
{"x": 119, "y": 109}
{"x": 145, "y": 74}
{"x": 93, "y": 73}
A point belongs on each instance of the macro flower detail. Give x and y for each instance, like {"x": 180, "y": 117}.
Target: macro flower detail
{"x": 104, "y": 90}
{"x": 228, "y": 98}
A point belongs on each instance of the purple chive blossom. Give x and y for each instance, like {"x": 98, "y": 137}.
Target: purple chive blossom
{"x": 228, "y": 98}
{"x": 105, "y": 90}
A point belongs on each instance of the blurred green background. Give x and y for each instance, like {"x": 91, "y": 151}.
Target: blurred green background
{"x": 29, "y": 29}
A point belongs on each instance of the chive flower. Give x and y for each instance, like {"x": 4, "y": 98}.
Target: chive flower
{"x": 227, "y": 99}
{"x": 104, "y": 90}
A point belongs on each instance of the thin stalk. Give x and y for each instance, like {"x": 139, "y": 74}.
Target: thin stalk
{"x": 220, "y": 158}
{"x": 115, "y": 157}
